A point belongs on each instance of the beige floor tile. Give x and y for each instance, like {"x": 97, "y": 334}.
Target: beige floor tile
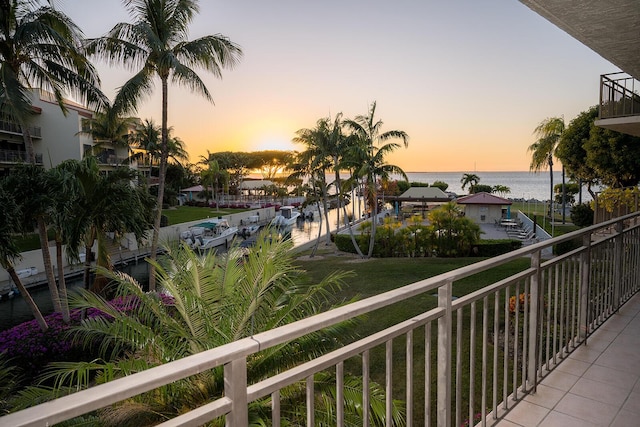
{"x": 621, "y": 360}
{"x": 633, "y": 404}
{"x": 587, "y": 409}
{"x": 560, "y": 380}
{"x": 600, "y": 392}
{"x": 527, "y": 414}
{"x": 506, "y": 423}
{"x": 545, "y": 396}
{"x": 626, "y": 419}
{"x": 585, "y": 354}
{"x": 616, "y": 323}
{"x": 611, "y": 376}
{"x": 573, "y": 366}
{"x": 558, "y": 419}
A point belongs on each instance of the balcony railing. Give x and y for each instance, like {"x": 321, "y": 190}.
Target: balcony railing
{"x": 15, "y": 156}
{"x": 483, "y": 352}
{"x": 11, "y": 127}
{"x": 619, "y": 96}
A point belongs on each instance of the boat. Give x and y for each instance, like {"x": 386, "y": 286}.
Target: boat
{"x": 209, "y": 234}
{"x": 288, "y": 216}
{"x": 249, "y": 230}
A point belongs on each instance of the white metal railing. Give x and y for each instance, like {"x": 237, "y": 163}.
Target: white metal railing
{"x": 482, "y": 353}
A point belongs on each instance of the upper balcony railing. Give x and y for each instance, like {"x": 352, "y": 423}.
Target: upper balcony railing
{"x": 15, "y": 156}
{"x": 11, "y": 127}
{"x": 619, "y": 96}
{"x": 479, "y": 354}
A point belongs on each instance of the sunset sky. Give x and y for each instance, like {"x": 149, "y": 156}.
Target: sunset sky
{"x": 468, "y": 80}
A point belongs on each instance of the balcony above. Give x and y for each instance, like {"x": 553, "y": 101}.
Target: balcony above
{"x": 619, "y": 103}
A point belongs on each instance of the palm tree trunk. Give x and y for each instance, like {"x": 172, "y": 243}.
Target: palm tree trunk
{"x": 346, "y": 219}
{"x": 374, "y": 223}
{"x": 62, "y": 285}
{"x": 48, "y": 265}
{"x": 564, "y": 199}
{"x": 164, "y": 153}
{"x": 326, "y": 210}
{"x": 27, "y": 297}
{"x": 315, "y": 247}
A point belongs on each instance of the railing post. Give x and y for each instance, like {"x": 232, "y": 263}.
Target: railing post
{"x": 617, "y": 274}
{"x": 534, "y": 311}
{"x": 444, "y": 356}
{"x": 585, "y": 279}
{"x": 235, "y": 388}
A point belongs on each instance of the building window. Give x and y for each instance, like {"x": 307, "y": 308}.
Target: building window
{"x": 85, "y": 125}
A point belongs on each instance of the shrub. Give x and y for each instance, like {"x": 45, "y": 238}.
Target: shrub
{"x": 567, "y": 246}
{"x": 582, "y": 215}
{"x": 491, "y": 248}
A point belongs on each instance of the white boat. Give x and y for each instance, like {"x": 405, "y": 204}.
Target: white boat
{"x": 209, "y": 234}
{"x": 249, "y": 230}
{"x": 288, "y": 216}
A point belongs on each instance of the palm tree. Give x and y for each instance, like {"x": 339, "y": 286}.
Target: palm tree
{"x": 314, "y": 162}
{"x": 106, "y": 203}
{"x": 369, "y": 159}
{"x": 549, "y": 133}
{"x": 503, "y": 190}
{"x": 41, "y": 48}
{"x": 30, "y": 185}
{"x": 215, "y": 299}
{"x": 9, "y": 251}
{"x": 470, "y": 179}
{"x": 108, "y": 128}
{"x": 157, "y": 42}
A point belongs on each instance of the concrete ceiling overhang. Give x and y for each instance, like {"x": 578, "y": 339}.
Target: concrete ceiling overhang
{"x": 611, "y": 28}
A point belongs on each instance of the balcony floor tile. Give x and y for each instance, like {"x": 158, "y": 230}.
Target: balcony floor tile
{"x": 598, "y": 384}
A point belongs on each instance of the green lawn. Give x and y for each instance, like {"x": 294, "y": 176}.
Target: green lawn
{"x": 180, "y": 214}
{"x": 380, "y": 275}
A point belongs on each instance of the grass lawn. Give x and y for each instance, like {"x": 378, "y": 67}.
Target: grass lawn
{"x": 180, "y": 214}
{"x": 380, "y": 275}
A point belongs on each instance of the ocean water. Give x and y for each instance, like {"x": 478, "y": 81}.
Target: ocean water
{"x": 523, "y": 185}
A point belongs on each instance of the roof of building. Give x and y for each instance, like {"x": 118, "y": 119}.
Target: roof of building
{"x": 482, "y": 199}
{"x": 427, "y": 193}
{"x": 195, "y": 189}
{"x": 255, "y": 184}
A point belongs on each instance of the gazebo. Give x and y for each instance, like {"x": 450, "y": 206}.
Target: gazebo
{"x": 485, "y": 207}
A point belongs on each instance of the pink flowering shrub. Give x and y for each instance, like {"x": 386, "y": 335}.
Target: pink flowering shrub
{"x": 31, "y": 349}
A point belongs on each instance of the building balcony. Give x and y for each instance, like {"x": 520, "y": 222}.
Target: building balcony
{"x": 553, "y": 344}
{"x": 619, "y": 104}
{"x": 15, "y": 157}
{"x": 14, "y": 129}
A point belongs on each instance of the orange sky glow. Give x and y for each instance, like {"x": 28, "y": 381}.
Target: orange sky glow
{"x": 467, "y": 80}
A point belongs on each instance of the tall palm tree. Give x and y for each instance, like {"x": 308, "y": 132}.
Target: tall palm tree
{"x": 157, "y": 44}
{"x": 470, "y": 179}
{"x": 549, "y": 133}
{"x": 214, "y": 300}
{"x": 30, "y": 183}
{"x": 9, "y": 251}
{"x": 368, "y": 154}
{"x": 314, "y": 161}
{"x": 41, "y": 48}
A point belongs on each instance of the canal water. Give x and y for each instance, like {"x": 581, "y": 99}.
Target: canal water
{"x": 14, "y": 311}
